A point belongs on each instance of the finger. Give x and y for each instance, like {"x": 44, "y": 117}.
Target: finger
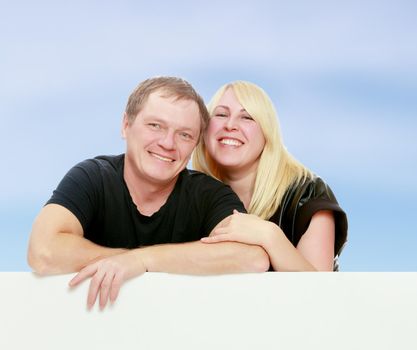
{"x": 235, "y": 211}
{"x": 207, "y": 239}
{"x": 86, "y": 272}
{"x": 94, "y": 287}
{"x": 105, "y": 286}
{"x": 217, "y": 238}
{"x": 115, "y": 287}
{"x": 219, "y": 231}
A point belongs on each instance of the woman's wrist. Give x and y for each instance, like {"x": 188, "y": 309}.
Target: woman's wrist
{"x": 271, "y": 237}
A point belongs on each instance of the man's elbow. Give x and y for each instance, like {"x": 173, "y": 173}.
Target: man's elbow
{"x": 39, "y": 259}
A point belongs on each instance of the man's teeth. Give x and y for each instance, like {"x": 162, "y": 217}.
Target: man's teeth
{"x": 162, "y": 158}
{"x": 230, "y": 142}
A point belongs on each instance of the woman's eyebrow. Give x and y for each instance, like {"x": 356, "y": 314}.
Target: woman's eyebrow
{"x": 221, "y": 106}
{"x": 226, "y": 107}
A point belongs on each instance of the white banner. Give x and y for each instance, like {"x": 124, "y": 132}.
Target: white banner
{"x": 246, "y": 311}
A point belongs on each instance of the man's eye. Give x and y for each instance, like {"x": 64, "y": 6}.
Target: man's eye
{"x": 154, "y": 125}
{"x": 186, "y": 136}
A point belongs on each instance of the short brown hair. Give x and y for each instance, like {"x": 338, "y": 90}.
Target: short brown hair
{"x": 171, "y": 87}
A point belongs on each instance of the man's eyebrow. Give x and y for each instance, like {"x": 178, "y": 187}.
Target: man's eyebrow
{"x": 154, "y": 118}
{"x": 151, "y": 117}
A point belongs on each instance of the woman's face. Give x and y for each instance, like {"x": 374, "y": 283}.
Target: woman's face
{"x": 233, "y": 139}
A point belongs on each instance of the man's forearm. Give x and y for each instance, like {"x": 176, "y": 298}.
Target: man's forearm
{"x": 65, "y": 253}
{"x": 200, "y": 258}
{"x": 57, "y": 244}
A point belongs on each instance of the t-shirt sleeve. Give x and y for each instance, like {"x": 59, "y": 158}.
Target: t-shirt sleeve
{"x": 214, "y": 201}
{"x": 321, "y": 197}
{"x": 77, "y": 192}
{"x": 223, "y": 202}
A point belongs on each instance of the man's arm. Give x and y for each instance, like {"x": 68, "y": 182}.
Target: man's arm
{"x": 201, "y": 259}
{"x": 57, "y": 244}
{"x": 198, "y": 258}
{"x": 107, "y": 275}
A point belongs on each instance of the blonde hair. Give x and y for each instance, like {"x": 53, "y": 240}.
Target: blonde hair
{"x": 277, "y": 169}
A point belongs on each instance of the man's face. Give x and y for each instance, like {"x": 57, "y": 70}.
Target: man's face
{"x": 161, "y": 138}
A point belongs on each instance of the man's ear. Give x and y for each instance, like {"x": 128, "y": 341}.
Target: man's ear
{"x": 125, "y": 125}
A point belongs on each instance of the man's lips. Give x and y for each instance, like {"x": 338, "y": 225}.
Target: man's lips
{"x": 161, "y": 157}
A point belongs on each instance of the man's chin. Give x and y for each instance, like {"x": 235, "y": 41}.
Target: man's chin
{"x": 161, "y": 177}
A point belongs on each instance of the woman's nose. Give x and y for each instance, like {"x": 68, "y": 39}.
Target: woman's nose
{"x": 230, "y": 124}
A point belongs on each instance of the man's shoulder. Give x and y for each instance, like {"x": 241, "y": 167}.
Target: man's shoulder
{"x": 102, "y": 162}
{"x": 109, "y": 161}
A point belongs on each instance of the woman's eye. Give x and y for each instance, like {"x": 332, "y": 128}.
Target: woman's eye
{"x": 247, "y": 117}
{"x": 221, "y": 115}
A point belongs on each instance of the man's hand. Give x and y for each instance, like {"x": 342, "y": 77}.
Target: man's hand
{"x": 107, "y": 276}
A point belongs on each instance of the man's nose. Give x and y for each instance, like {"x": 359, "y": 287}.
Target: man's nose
{"x": 167, "y": 141}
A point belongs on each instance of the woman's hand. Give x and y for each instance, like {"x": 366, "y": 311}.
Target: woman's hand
{"x": 314, "y": 251}
{"x": 107, "y": 276}
{"x": 243, "y": 228}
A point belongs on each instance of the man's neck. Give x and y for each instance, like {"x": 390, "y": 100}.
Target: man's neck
{"x": 148, "y": 196}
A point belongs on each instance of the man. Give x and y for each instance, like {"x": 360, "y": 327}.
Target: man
{"x": 115, "y": 217}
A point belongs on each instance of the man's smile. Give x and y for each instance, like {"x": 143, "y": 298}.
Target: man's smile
{"x": 160, "y": 157}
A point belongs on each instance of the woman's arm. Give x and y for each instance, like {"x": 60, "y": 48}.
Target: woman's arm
{"x": 314, "y": 252}
{"x": 317, "y": 243}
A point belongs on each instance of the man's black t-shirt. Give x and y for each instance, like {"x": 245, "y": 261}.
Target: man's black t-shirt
{"x": 96, "y": 193}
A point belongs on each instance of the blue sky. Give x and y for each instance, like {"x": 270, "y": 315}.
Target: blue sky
{"x": 342, "y": 75}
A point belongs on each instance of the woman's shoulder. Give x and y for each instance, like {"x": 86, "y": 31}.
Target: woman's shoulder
{"x": 301, "y": 201}
{"x": 309, "y": 189}
{"x": 312, "y": 189}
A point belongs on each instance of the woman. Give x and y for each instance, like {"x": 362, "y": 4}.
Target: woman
{"x": 293, "y": 214}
